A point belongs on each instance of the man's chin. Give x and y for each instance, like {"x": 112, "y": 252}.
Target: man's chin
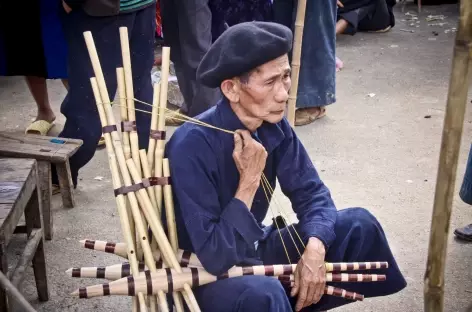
{"x": 275, "y": 118}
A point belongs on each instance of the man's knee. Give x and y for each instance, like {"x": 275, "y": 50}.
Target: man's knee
{"x": 264, "y": 294}
{"x": 358, "y": 219}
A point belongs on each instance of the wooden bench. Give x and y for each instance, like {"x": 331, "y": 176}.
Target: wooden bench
{"x": 45, "y": 150}
{"x": 19, "y": 193}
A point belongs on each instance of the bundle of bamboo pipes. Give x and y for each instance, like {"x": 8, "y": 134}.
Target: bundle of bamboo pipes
{"x": 141, "y": 181}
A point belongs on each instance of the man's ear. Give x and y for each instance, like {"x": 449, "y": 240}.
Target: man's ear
{"x": 231, "y": 89}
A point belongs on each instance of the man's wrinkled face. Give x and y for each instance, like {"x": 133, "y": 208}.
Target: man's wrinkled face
{"x": 264, "y": 94}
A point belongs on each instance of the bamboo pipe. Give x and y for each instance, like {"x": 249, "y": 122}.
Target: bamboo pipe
{"x": 296, "y": 60}
{"x": 168, "y": 280}
{"x": 126, "y": 142}
{"x": 158, "y": 188}
{"x": 125, "y": 51}
{"x": 120, "y": 200}
{"x": 123, "y": 111}
{"x": 162, "y": 103}
{"x": 154, "y": 121}
{"x": 449, "y": 154}
{"x": 159, "y": 234}
{"x": 118, "y": 271}
{"x": 15, "y": 294}
{"x": 169, "y": 206}
{"x": 147, "y": 174}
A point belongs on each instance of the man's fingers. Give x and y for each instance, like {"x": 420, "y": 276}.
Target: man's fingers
{"x": 238, "y": 143}
{"x": 302, "y": 297}
{"x": 296, "y": 284}
{"x": 340, "y": 4}
{"x": 245, "y": 135}
{"x": 311, "y": 294}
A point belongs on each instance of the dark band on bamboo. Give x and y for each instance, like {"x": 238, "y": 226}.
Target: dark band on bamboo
{"x": 184, "y": 262}
{"x": 141, "y": 266}
{"x": 159, "y": 264}
{"x": 223, "y": 276}
{"x": 125, "y": 270}
{"x": 89, "y": 244}
{"x": 157, "y": 135}
{"x": 101, "y": 272}
{"x": 110, "y": 247}
{"x": 128, "y": 126}
{"x": 76, "y": 272}
{"x": 106, "y": 289}
{"x": 148, "y": 182}
{"x": 288, "y": 269}
{"x": 195, "y": 279}
{"x": 83, "y": 293}
{"x": 131, "y": 286}
{"x": 269, "y": 270}
{"x": 170, "y": 282}
{"x": 109, "y": 129}
{"x": 248, "y": 270}
{"x": 148, "y": 282}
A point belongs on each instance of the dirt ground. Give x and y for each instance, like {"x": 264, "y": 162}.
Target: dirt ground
{"x": 377, "y": 148}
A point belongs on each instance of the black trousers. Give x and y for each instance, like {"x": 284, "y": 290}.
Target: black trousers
{"x": 186, "y": 26}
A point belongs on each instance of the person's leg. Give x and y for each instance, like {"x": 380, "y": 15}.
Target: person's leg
{"x": 243, "y": 294}
{"x": 194, "y": 19}
{"x": 39, "y": 91}
{"x": 142, "y": 59}
{"x": 359, "y": 237}
{"x": 316, "y": 87}
{"x": 465, "y": 193}
{"x": 79, "y": 107}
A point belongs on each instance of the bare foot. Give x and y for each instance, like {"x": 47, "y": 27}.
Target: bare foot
{"x": 339, "y": 64}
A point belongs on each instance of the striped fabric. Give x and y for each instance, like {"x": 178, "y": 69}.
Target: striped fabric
{"x": 133, "y": 5}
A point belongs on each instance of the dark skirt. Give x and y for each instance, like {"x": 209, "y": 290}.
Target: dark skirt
{"x": 466, "y": 188}
{"x": 31, "y": 39}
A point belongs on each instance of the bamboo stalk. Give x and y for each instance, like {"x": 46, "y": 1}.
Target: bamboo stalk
{"x": 296, "y": 60}
{"x": 15, "y": 294}
{"x": 169, "y": 206}
{"x": 450, "y": 146}
{"x": 120, "y": 200}
{"x": 125, "y": 138}
{"x": 154, "y": 121}
{"x": 158, "y": 232}
{"x": 129, "y": 94}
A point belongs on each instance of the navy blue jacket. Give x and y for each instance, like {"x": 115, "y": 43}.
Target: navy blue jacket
{"x": 219, "y": 228}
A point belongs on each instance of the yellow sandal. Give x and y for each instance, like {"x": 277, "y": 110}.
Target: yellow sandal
{"x": 40, "y": 127}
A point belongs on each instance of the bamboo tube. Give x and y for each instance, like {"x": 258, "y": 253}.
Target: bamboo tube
{"x": 158, "y": 188}
{"x": 154, "y": 121}
{"x": 123, "y": 110}
{"x": 296, "y": 60}
{"x": 120, "y": 200}
{"x": 159, "y": 234}
{"x": 129, "y": 94}
{"x": 168, "y": 280}
{"x": 169, "y": 205}
{"x": 161, "y": 126}
{"x": 147, "y": 174}
{"x": 125, "y": 137}
{"x": 450, "y": 146}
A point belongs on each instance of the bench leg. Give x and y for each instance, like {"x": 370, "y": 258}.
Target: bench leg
{"x": 40, "y": 275}
{"x": 33, "y": 221}
{"x": 44, "y": 170}
{"x": 65, "y": 182}
{"x": 4, "y": 269}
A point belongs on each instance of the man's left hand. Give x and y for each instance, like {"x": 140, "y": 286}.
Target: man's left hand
{"x": 310, "y": 276}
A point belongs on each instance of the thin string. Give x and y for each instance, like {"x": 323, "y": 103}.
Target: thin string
{"x": 276, "y": 224}
{"x": 182, "y": 117}
{"x": 283, "y": 212}
{"x": 267, "y": 185}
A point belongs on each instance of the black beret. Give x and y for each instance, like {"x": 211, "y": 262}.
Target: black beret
{"x": 242, "y": 48}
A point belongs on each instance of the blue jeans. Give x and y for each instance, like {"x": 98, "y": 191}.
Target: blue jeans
{"x": 79, "y": 107}
{"x": 317, "y": 79}
{"x": 466, "y": 189}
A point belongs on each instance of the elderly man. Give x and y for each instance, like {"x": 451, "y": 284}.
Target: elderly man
{"x": 220, "y": 204}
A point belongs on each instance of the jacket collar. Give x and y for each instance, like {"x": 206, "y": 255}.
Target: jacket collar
{"x": 269, "y": 135}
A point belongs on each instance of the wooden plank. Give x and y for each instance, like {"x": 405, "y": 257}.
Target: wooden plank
{"x": 8, "y": 224}
{"x": 20, "y": 150}
{"x": 14, "y": 294}
{"x": 17, "y": 275}
{"x": 15, "y": 170}
{"x": 10, "y": 191}
{"x": 70, "y": 144}
{"x": 4, "y": 269}
{"x": 66, "y": 185}
{"x": 45, "y": 186}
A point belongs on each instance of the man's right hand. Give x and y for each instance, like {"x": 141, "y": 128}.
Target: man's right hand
{"x": 66, "y": 7}
{"x": 250, "y": 158}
